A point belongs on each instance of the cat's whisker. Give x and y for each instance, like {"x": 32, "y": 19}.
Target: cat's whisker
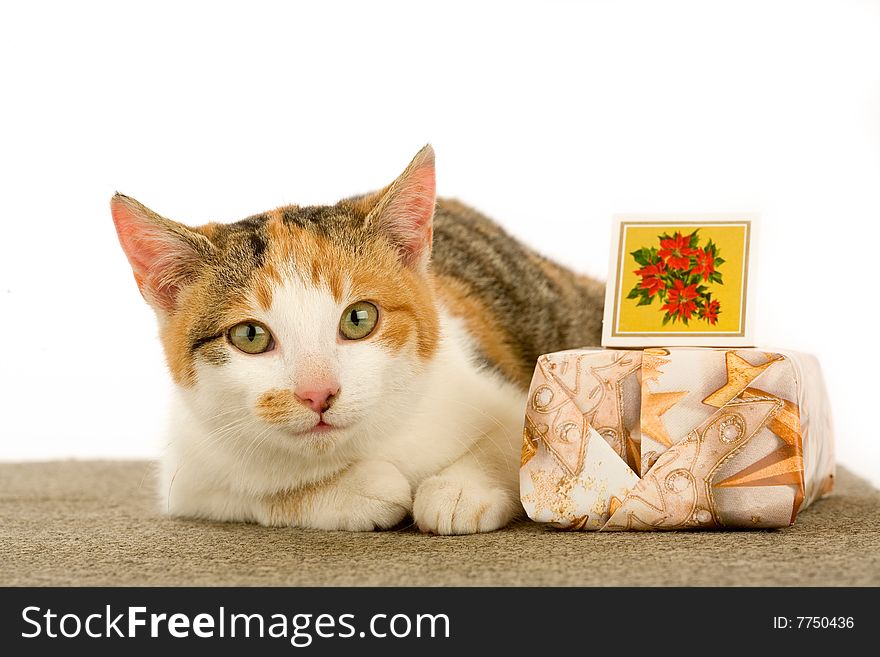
{"x": 256, "y": 443}
{"x": 246, "y": 452}
{"x": 221, "y": 433}
{"x": 460, "y": 402}
{"x": 147, "y": 471}
{"x": 224, "y": 434}
{"x": 484, "y": 434}
{"x": 170, "y": 487}
{"x": 224, "y": 413}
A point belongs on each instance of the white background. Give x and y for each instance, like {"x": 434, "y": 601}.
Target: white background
{"x": 548, "y": 116}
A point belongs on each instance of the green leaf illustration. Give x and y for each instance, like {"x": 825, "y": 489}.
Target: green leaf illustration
{"x": 639, "y": 258}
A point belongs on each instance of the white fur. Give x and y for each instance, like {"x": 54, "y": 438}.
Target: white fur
{"x": 446, "y": 430}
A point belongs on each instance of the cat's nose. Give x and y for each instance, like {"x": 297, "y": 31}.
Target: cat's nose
{"x": 318, "y": 398}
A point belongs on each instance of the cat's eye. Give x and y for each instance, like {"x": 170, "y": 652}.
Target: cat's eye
{"x": 251, "y": 338}
{"x": 358, "y": 320}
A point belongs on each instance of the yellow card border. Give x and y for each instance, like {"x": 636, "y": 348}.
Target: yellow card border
{"x": 611, "y": 337}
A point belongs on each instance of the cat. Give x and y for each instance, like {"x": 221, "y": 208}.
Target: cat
{"x": 347, "y": 366}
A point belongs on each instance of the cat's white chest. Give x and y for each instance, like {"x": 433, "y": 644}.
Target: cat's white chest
{"x": 463, "y": 408}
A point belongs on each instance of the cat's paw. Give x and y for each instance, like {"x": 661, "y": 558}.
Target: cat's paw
{"x": 370, "y": 495}
{"x": 448, "y": 505}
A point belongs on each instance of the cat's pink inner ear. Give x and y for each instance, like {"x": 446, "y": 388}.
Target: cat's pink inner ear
{"x": 163, "y": 254}
{"x": 406, "y": 210}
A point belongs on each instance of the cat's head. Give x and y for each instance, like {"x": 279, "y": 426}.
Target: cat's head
{"x": 304, "y": 327}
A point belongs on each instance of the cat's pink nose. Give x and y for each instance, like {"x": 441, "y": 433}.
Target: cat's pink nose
{"x": 318, "y": 398}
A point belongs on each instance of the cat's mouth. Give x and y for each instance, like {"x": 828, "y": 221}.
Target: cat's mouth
{"x": 320, "y": 427}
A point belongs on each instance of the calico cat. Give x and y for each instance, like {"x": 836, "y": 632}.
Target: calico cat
{"x": 346, "y": 366}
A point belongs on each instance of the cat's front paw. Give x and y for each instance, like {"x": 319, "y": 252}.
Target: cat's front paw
{"x": 448, "y": 505}
{"x": 370, "y": 495}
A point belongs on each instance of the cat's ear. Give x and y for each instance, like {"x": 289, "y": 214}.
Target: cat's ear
{"x": 405, "y": 210}
{"x": 164, "y": 255}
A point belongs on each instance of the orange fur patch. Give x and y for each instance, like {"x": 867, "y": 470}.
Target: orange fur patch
{"x": 178, "y": 356}
{"x": 279, "y": 406}
{"x": 194, "y": 304}
{"x": 263, "y": 291}
{"x": 363, "y": 205}
{"x": 483, "y": 326}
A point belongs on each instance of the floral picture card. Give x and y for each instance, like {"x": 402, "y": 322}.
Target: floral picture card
{"x": 679, "y": 280}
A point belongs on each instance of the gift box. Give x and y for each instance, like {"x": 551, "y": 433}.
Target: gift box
{"x": 684, "y": 438}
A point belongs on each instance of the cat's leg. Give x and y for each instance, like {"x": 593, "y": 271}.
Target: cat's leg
{"x": 366, "y": 496}
{"x": 476, "y": 493}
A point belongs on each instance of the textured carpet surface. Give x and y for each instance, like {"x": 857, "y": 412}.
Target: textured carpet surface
{"x": 95, "y": 523}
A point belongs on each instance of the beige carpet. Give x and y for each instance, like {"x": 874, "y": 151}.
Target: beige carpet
{"x": 94, "y": 523}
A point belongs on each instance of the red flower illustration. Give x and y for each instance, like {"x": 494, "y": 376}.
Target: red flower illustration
{"x": 710, "y": 312}
{"x": 705, "y": 266}
{"x": 651, "y": 280}
{"x": 681, "y": 300}
{"x": 676, "y": 251}
{"x": 678, "y": 273}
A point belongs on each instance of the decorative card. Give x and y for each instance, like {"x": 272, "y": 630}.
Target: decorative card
{"x": 679, "y": 281}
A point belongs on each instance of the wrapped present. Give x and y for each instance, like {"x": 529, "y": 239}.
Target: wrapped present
{"x": 685, "y": 438}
